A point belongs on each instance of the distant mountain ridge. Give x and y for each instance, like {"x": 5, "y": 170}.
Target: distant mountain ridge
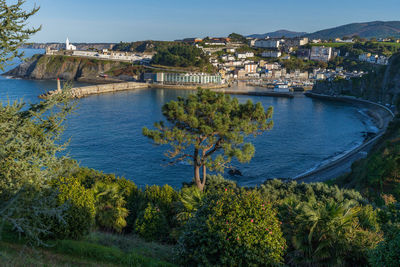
{"x": 377, "y": 29}
{"x": 373, "y": 29}
{"x": 279, "y": 33}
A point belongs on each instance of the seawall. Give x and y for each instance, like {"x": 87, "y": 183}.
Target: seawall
{"x": 79, "y": 92}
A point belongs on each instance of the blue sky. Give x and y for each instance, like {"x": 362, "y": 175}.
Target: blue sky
{"x": 123, "y": 20}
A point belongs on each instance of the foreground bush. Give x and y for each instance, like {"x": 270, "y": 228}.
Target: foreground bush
{"x": 80, "y": 209}
{"x": 152, "y": 224}
{"x": 153, "y": 213}
{"x": 387, "y": 253}
{"x": 110, "y": 207}
{"x": 232, "y": 230}
{"x": 331, "y": 234}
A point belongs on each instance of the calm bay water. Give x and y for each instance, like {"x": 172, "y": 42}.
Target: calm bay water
{"x": 106, "y": 135}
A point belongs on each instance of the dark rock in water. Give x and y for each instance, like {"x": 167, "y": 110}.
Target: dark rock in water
{"x": 234, "y": 172}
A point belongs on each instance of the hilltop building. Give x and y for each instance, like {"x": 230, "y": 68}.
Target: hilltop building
{"x": 69, "y": 46}
{"x": 267, "y": 43}
{"x": 274, "y": 54}
{"x": 295, "y": 42}
{"x": 244, "y": 55}
{"x": 321, "y": 53}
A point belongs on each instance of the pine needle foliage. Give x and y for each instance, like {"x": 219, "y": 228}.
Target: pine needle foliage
{"x": 13, "y": 30}
{"x": 208, "y": 130}
{"x": 29, "y": 161}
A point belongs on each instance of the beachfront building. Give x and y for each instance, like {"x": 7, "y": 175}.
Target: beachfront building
{"x": 184, "y": 78}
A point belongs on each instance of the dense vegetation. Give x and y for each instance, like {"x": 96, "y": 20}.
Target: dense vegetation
{"x": 182, "y": 55}
{"x": 357, "y": 48}
{"x": 275, "y": 223}
{"x": 237, "y": 38}
{"x": 142, "y": 46}
{"x": 51, "y": 202}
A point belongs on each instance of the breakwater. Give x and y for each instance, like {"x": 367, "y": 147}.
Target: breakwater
{"x": 79, "y": 92}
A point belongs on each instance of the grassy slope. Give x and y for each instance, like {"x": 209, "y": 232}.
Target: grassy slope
{"x": 98, "y": 249}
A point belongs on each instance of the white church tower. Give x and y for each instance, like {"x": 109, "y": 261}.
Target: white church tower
{"x": 69, "y": 46}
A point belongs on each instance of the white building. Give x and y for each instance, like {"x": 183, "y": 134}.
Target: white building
{"x": 382, "y": 60}
{"x": 186, "y": 78}
{"x": 227, "y": 58}
{"x": 294, "y": 42}
{"x": 85, "y": 53}
{"x": 274, "y": 54}
{"x": 244, "y": 55}
{"x": 321, "y": 53}
{"x": 69, "y": 46}
{"x": 267, "y": 43}
{"x": 373, "y": 59}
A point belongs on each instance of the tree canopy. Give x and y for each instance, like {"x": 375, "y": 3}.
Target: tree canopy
{"x": 181, "y": 55}
{"x": 208, "y": 130}
{"x": 235, "y": 37}
{"x": 13, "y": 30}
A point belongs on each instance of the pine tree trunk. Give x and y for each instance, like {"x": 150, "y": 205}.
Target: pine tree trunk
{"x": 204, "y": 176}
{"x": 197, "y": 177}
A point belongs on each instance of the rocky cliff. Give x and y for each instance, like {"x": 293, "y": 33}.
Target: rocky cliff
{"x": 381, "y": 85}
{"x": 66, "y": 68}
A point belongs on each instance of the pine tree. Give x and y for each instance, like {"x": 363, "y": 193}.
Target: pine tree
{"x": 208, "y": 129}
{"x": 13, "y": 30}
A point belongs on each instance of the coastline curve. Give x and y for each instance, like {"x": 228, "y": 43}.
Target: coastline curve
{"x": 340, "y": 165}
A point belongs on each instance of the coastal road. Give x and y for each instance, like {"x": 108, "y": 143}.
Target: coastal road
{"x": 338, "y": 167}
{"x": 381, "y": 116}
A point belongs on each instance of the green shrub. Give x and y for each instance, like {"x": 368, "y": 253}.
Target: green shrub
{"x": 277, "y": 191}
{"x": 151, "y": 224}
{"x": 387, "y": 253}
{"x": 110, "y": 207}
{"x": 163, "y": 197}
{"x": 136, "y": 203}
{"x": 80, "y": 210}
{"x": 217, "y": 183}
{"x": 190, "y": 200}
{"x": 232, "y": 230}
{"x": 89, "y": 177}
{"x": 329, "y": 234}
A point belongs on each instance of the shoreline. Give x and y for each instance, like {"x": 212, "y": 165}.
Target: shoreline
{"x": 380, "y": 115}
{"x": 101, "y": 88}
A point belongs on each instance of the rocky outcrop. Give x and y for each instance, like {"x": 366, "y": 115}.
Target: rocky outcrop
{"x": 382, "y": 85}
{"x": 45, "y": 67}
